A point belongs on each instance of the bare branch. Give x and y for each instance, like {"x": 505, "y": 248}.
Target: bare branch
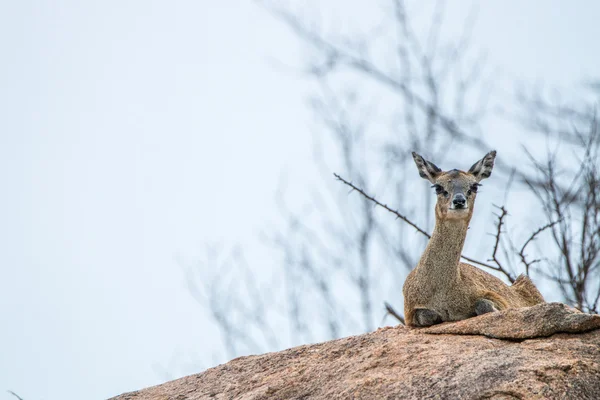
{"x": 390, "y": 310}
{"x": 385, "y": 206}
{"x": 529, "y": 240}
{"x": 14, "y": 394}
{"x": 494, "y": 258}
{"x": 370, "y": 70}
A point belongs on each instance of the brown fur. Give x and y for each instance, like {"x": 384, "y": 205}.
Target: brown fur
{"x": 442, "y": 283}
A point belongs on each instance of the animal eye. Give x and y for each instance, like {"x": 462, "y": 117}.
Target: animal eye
{"x": 439, "y": 189}
{"x": 474, "y": 187}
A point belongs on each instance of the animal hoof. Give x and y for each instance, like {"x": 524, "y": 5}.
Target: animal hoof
{"x": 425, "y": 317}
{"x": 484, "y": 306}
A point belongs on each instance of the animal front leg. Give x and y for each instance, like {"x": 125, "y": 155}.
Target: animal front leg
{"x": 484, "y": 306}
{"x": 426, "y": 317}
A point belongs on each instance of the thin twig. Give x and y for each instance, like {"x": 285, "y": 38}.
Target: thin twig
{"x": 396, "y": 213}
{"x": 390, "y": 310}
{"x": 483, "y": 264}
{"x": 14, "y": 394}
{"x": 498, "y": 235}
{"x": 529, "y": 240}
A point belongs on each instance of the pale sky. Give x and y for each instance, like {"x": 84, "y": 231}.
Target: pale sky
{"x": 134, "y": 132}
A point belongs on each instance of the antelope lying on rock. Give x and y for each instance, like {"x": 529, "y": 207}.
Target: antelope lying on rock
{"x": 441, "y": 288}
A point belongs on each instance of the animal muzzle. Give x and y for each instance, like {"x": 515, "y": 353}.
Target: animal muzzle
{"x": 459, "y": 201}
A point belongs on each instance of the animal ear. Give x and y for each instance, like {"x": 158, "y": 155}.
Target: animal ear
{"x": 427, "y": 169}
{"x": 483, "y": 168}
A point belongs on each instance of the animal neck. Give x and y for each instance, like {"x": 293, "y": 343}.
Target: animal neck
{"x": 442, "y": 254}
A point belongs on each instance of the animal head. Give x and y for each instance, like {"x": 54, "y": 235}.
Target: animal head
{"x": 456, "y": 190}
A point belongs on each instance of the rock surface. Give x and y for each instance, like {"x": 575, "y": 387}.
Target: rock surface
{"x": 448, "y": 361}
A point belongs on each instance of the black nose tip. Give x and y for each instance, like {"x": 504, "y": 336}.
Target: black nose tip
{"x": 459, "y": 201}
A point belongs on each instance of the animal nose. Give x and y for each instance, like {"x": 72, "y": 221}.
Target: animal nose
{"x": 459, "y": 200}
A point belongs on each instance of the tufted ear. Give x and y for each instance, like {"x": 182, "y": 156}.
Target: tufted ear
{"x": 427, "y": 169}
{"x": 483, "y": 168}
